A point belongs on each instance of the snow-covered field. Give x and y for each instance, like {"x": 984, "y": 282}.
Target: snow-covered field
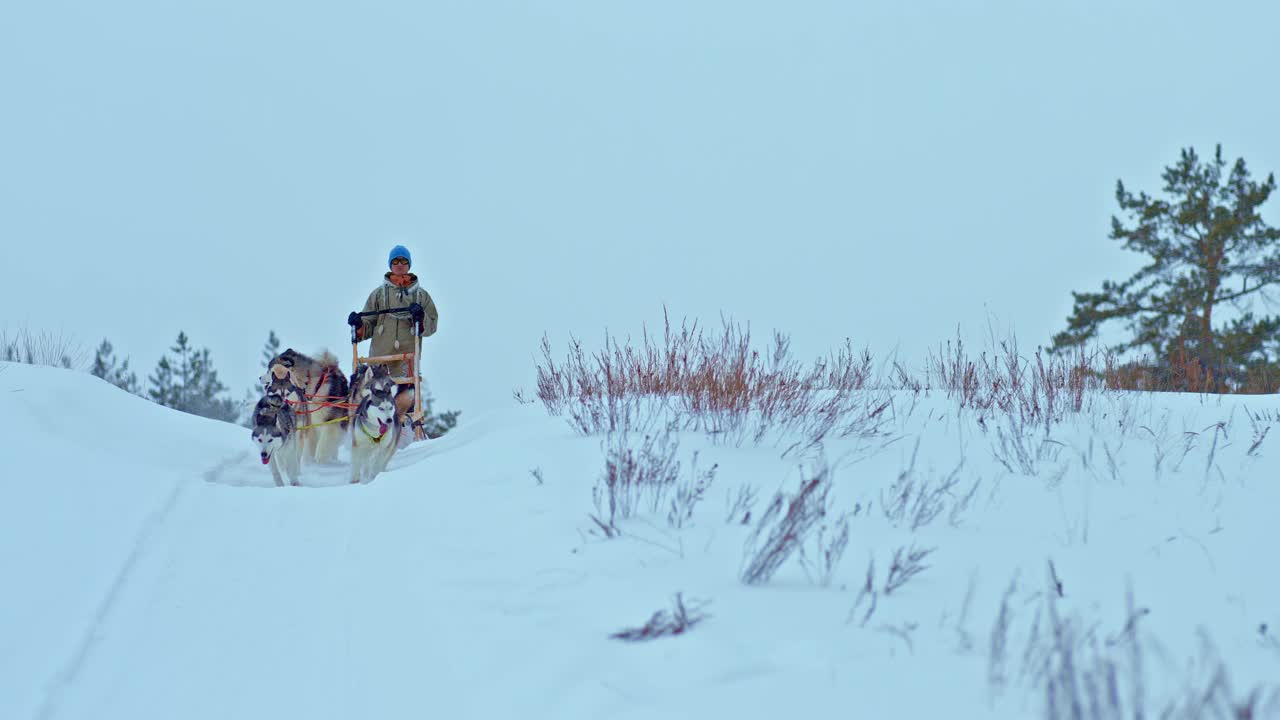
{"x": 151, "y": 570}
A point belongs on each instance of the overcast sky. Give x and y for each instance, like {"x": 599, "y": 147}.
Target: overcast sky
{"x": 881, "y": 171}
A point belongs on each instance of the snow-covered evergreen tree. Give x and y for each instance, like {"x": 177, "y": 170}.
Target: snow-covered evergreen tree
{"x": 189, "y": 383}
{"x": 270, "y": 348}
{"x": 107, "y": 367}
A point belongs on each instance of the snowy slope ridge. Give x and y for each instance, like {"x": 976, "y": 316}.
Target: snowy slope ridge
{"x": 151, "y": 570}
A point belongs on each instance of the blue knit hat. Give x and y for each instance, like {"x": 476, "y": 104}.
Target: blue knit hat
{"x": 399, "y": 251}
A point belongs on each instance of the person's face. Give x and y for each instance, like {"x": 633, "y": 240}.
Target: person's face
{"x": 399, "y": 266}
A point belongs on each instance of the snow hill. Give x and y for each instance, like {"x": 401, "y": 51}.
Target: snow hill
{"x": 151, "y": 570}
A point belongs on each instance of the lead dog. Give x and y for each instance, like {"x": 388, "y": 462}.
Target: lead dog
{"x": 375, "y": 429}
{"x": 321, "y": 422}
{"x": 276, "y": 434}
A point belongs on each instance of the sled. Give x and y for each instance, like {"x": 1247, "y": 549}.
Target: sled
{"x": 411, "y": 359}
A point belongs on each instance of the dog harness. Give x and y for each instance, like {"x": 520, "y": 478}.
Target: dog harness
{"x": 370, "y": 435}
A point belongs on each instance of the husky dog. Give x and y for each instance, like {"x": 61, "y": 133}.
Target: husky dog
{"x": 275, "y": 433}
{"x": 375, "y": 429}
{"x": 323, "y": 386}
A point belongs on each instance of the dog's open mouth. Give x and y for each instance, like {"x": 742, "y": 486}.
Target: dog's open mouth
{"x": 382, "y": 428}
{"x": 266, "y": 458}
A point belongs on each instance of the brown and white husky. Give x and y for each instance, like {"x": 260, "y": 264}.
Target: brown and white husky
{"x": 320, "y": 418}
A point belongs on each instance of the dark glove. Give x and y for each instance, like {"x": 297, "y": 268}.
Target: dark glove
{"x": 415, "y": 310}
{"x": 354, "y": 319}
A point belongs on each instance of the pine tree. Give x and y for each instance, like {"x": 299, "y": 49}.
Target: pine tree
{"x": 190, "y": 384}
{"x": 204, "y": 389}
{"x": 163, "y": 388}
{"x": 270, "y": 349}
{"x": 105, "y": 366}
{"x": 1210, "y": 253}
{"x": 436, "y": 425}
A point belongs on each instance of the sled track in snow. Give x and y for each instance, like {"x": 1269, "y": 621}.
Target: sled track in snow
{"x": 76, "y": 663}
{"x": 243, "y": 469}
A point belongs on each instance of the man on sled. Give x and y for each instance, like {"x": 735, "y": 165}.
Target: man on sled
{"x": 396, "y": 311}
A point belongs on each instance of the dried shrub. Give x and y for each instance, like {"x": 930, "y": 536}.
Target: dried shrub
{"x": 1039, "y": 390}
{"x": 1022, "y": 448}
{"x": 1042, "y": 389}
{"x": 997, "y": 657}
{"x": 740, "y": 505}
{"x": 785, "y": 525}
{"x": 645, "y": 475}
{"x": 914, "y": 501}
{"x": 868, "y": 593}
{"x": 1083, "y": 673}
{"x": 829, "y": 543}
{"x": 688, "y": 493}
{"x": 1184, "y": 370}
{"x": 907, "y": 563}
{"x": 715, "y": 383}
{"x": 663, "y": 623}
{"x": 634, "y": 474}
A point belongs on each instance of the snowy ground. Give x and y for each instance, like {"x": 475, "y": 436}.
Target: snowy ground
{"x": 150, "y": 569}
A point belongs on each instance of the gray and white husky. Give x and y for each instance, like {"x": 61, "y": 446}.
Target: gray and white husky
{"x": 324, "y": 387}
{"x": 276, "y": 434}
{"x": 375, "y": 429}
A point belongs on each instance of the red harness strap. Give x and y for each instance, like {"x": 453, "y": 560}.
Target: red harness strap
{"x": 323, "y": 376}
{"x": 326, "y": 398}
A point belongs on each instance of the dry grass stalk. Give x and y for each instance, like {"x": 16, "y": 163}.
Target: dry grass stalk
{"x": 43, "y": 348}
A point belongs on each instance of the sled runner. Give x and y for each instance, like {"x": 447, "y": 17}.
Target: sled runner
{"x": 412, "y": 359}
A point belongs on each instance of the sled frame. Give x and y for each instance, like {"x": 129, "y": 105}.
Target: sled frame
{"x": 412, "y": 359}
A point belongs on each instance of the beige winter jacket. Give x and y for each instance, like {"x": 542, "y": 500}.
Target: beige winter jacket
{"x": 393, "y": 333}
